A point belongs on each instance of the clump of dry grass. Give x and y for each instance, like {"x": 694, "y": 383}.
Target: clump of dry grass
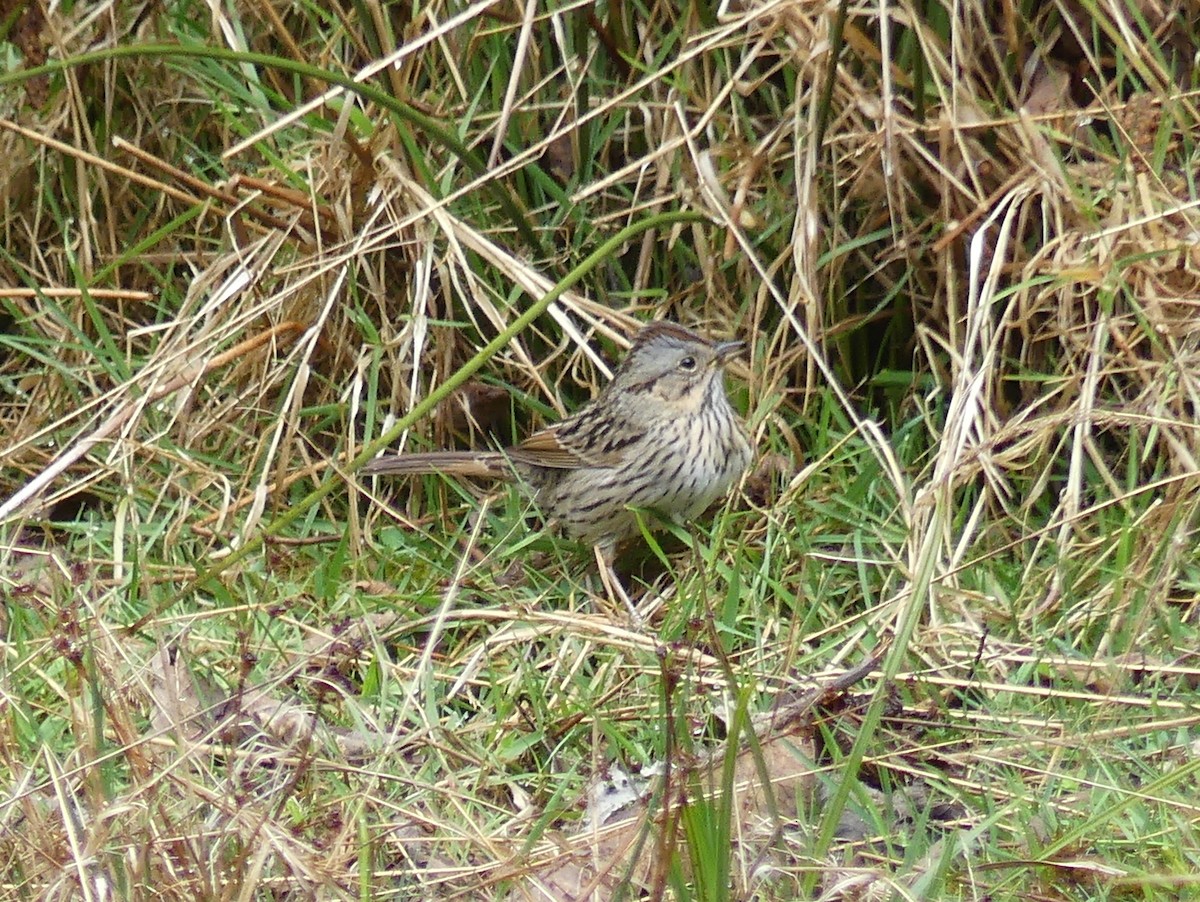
{"x": 964, "y": 252}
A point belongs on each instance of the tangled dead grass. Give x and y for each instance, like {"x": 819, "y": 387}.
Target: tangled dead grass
{"x": 964, "y": 248}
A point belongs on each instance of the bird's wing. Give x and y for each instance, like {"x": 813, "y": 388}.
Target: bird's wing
{"x": 546, "y": 449}
{"x": 543, "y": 449}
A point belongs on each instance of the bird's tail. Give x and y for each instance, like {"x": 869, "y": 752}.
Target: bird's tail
{"x": 480, "y": 464}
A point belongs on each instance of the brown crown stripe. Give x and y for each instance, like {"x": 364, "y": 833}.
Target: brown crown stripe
{"x": 665, "y": 329}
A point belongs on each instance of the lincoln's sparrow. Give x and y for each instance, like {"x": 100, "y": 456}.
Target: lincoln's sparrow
{"x": 661, "y": 435}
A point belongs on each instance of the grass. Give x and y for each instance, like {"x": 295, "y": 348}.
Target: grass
{"x": 938, "y": 646}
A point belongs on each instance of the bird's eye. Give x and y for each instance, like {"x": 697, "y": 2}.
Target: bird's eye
{"x": 688, "y": 363}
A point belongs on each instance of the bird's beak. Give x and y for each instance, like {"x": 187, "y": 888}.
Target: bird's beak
{"x": 726, "y": 349}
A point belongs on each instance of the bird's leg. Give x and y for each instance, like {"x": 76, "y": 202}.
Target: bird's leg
{"x": 605, "y": 557}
